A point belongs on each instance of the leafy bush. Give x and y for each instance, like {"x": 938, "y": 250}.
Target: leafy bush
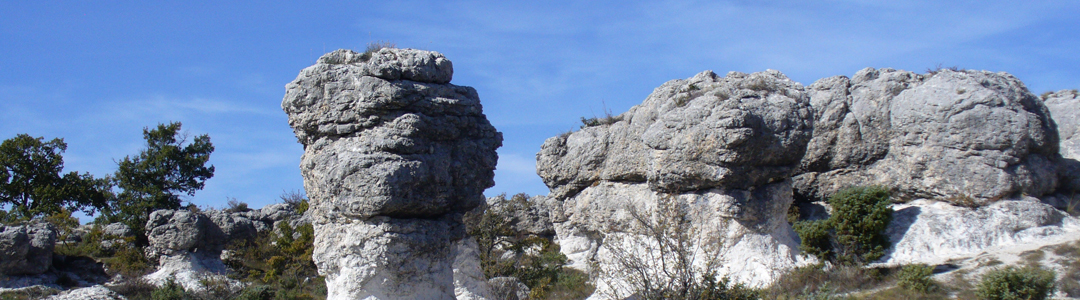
{"x": 855, "y": 232}
{"x": 1009, "y": 283}
{"x": 916, "y": 278}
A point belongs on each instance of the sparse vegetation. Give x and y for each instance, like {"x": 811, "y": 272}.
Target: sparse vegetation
{"x": 939, "y": 67}
{"x": 669, "y": 266}
{"x": 375, "y": 47}
{"x": 537, "y": 261}
{"x": 1012, "y": 283}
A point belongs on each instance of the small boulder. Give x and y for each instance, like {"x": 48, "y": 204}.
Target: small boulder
{"x": 26, "y": 249}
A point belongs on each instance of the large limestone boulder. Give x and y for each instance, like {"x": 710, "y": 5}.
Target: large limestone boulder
{"x": 710, "y": 154}
{"x": 26, "y": 249}
{"x": 959, "y": 136}
{"x": 393, "y": 156}
{"x": 1064, "y": 106}
{"x": 738, "y": 131}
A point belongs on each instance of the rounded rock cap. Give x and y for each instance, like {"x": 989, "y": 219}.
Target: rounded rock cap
{"x": 396, "y": 64}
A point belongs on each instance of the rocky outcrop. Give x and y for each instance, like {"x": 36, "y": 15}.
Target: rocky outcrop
{"x": 26, "y": 249}
{"x": 393, "y": 155}
{"x": 188, "y": 246}
{"x": 1064, "y": 106}
{"x": 710, "y": 153}
{"x": 933, "y": 232}
{"x": 957, "y": 136}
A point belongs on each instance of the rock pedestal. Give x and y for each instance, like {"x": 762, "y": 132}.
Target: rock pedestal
{"x": 709, "y": 155}
{"x": 393, "y": 156}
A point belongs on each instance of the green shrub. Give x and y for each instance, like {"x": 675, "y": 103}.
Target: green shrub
{"x": 916, "y": 278}
{"x": 814, "y": 236}
{"x": 855, "y": 232}
{"x": 170, "y": 291}
{"x": 1009, "y": 283}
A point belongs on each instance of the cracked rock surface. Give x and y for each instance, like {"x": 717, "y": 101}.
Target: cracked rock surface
{"x": 393, "y": 156}
{"x": 948, "y": 135}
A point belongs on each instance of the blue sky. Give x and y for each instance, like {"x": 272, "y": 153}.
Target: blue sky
{"x": 96, "y": 72}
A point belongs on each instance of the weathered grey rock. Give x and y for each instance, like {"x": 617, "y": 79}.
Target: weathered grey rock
{"x": 1064, "y": 106}
{"x": 393, "y": 155}
{"x": 174, "y": 232}
{"x": 508, "y": 288}
{"x": 949, "y": 135}
{"x": 26, "y": 249}
{"x": 97, "y": 292}
{"x": 524, "y": 215}
{"x": 712, "y": 154}
{"x": 737, "y": 131}
{"x": 118, "y": 230}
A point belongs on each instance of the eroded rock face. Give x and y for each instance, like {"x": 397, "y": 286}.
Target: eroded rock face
{"x": 393, "y": 155}
{"x": 189, "y": 246}
{"x": 1064, "y": 106}
{"x": 737, "y": 131}
{"x": 714, "y": 152}
{"x": 26, "y": 249}
{"x": 949, "y": 135}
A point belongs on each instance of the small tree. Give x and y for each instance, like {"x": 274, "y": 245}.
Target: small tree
{"x": 31, "y": 180}
{"x": 153, "y": 180}
{"x": 855, "y": 232}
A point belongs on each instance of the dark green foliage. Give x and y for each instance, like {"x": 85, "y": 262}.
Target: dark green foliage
{"x": 855, "y": 232}
{"x": 31, "y": 180}
{"x": 859, "y": 219}
{"x": 153, "y": 180}
{"x": 1012, "y": 283}
{"x": 819, "y": 282}
{"x": 814, "y": 236}
{"x": 170, "y": 291}
{"x": 916, "y": 278}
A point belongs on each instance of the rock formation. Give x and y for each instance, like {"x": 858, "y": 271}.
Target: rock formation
{"x": 933, "y": 232}
{"x": 714, "y": 152}
{"x": 1064, "y": 106}
{"x": 26, "y": 249}
{"x": 188, "y": 246}
{"x": 959, "y": 136}
{"x": 393, "y": 155}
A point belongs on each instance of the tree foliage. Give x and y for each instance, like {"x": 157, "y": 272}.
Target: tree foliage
{"x": 155, "y": 179}
{"x": 855, "y": 232}
{"x": 31, "y": 180}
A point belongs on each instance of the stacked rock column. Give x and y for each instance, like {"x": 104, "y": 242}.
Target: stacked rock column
{"x": 393, "y": 155}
